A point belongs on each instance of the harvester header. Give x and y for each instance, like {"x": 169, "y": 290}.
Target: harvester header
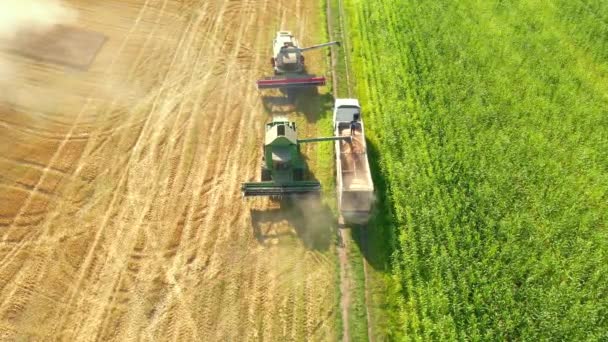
{"x": 290, "y": 83}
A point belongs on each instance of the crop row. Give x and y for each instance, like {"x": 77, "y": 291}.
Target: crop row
{"x": 490, "y": 120}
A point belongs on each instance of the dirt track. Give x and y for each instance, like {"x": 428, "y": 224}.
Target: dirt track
{"x": 120, "y": 211}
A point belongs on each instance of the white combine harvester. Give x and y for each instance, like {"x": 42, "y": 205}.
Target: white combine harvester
{"x": 288, "y": 64}
{"x": 354, "y": 180}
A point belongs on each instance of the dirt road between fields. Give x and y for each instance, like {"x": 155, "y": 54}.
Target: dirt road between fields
{"x": 120, "y": 208}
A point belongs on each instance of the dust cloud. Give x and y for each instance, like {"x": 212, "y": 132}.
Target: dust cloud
{"x": 38, "y": 15}
{"x": 16, "y": 16}
{"x": 313, "y": 221}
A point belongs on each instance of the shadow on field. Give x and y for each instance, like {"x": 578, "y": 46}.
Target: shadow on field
{"x": 312, "y": 221}
{"x": 306, "y": 101}
{"x": 313, "y": 104}
{"x": 376, "y": 240}
{"x": 277, "y": 105}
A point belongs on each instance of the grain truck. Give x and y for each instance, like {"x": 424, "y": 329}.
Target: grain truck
{"x": 355, "y": 188}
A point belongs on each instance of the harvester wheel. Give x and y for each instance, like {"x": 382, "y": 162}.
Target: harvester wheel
{"x": 266, "y": 175}
{"x": 298, "y": 174}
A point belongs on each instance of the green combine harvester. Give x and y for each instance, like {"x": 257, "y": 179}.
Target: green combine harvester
{"x": 283, "y": 167}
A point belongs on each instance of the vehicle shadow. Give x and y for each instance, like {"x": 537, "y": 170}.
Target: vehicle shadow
{"x": 278, "y": 105}
{"x": 377, "y": 239}
{"x": 307, "y": 101}
{"x": 313, "y": 104}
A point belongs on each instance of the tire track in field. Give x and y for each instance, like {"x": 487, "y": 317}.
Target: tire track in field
{"x": 184, "y": 35}
{"x": 9, "y": 257}
{"x": 89, "y": 257}
{"x": 131, "y": 73}
{"x": 202, "y": 178}
{"x": 48, "y": 168}
{"x": 42, "y": 178}
{"x": 208, "y": 291}
{"x": 221, "y": 109}
{"x": 156, "y": 256}
{"x": 166, "y": 155}
{"x": 210, "y": 215}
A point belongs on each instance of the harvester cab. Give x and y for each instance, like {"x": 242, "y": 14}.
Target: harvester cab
{"x": 287, "y": 57}
{"x": 284, "y": 169}
{"x": 288, "y": 64}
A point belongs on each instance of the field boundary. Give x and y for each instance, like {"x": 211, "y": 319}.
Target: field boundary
{"x": 346, "y": 240}
{"x": 342, "y": 257}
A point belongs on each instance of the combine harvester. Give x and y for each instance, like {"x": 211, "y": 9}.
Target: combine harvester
{"x": 288, "y": 64}
{"x": 354, "y": 181}
{"x": 283, "y": 167}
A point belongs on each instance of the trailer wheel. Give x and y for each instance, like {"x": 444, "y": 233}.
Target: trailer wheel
{"x": 266, "y": 175}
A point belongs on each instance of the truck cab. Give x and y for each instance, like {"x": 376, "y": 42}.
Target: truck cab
{"x": 346, "y": 110}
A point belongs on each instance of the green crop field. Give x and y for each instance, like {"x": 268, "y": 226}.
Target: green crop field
{"x": 489, "y": 121}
